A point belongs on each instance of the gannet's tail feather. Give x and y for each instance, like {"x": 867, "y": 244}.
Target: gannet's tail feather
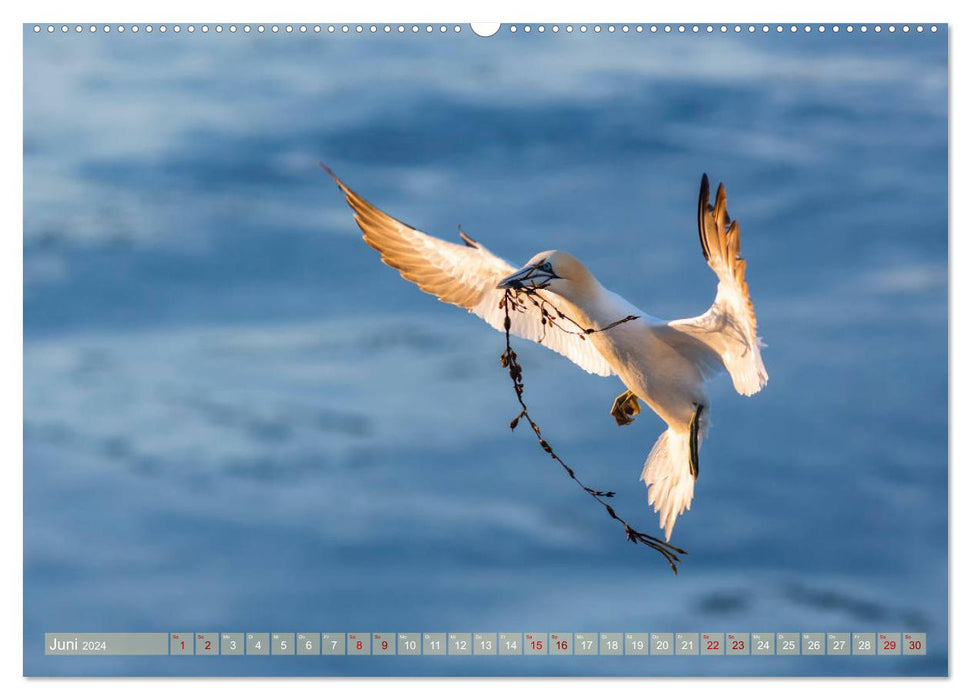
{"x": 729, "y": 327}
{"x": 667, "y": 474}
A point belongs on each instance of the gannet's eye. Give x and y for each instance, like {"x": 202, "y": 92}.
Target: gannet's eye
{"x": 547, "y": 267}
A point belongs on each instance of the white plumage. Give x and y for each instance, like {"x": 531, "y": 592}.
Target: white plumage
{"x": 663, "y": 363}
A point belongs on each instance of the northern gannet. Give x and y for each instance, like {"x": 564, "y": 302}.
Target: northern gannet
{"x": 663, "y": 363}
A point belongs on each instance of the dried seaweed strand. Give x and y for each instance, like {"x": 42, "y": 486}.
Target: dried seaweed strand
{"x": 510, "y": 361}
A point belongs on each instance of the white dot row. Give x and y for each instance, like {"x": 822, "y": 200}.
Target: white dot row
{"x": 723, "y": 28}
{"x": 428, "y": 28}
{"x": 247, "y": 28}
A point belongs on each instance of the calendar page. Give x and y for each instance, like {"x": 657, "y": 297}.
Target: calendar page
{"x": 585, "y": 349}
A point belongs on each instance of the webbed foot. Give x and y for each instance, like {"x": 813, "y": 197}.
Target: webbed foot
{"x": 625, "y": 407}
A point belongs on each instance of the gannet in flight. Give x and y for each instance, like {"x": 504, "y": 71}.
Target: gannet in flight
{"x": 663, "y": 363}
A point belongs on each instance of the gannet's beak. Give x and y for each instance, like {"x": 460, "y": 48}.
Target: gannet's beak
{"x": 517, "y": 279}
{"x": 530, "y": 277}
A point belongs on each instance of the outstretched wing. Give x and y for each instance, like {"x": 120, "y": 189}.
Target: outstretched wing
{"x": 728, "y": 328}
{"x": 466, "y": 275}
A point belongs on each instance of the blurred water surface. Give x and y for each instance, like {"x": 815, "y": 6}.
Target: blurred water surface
{"x": 236, "y": 419}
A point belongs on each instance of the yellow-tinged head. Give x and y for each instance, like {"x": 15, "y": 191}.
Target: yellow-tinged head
{"x": 555, "y": 270}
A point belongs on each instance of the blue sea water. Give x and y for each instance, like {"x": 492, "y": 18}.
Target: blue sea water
{"x": 237, "y": 419}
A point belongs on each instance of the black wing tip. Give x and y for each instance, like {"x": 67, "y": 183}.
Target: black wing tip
{"x": 340, "y": 183}
{"x": 704, "y": 197}
{"x": 323, "y": 166}
{"x": 704, "y": 194}
{"x": 467, "y": 239}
